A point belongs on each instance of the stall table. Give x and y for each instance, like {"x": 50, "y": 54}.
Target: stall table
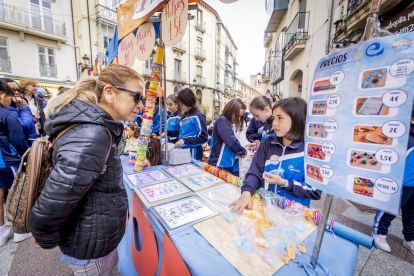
{"x": 338, "y": 256}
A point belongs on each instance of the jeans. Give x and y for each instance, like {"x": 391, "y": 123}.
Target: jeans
{"x": 383, "y": 220}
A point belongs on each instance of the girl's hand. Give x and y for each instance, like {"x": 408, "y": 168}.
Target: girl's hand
{"x": 273, "y": 179}
{"x": 179, "y": 144}
{"x": 243, "y": 202}
{"x": 251, "y": 146}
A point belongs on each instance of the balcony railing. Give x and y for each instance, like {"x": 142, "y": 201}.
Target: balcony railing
{"x": 48, "y": 70}
{"x": 220, "y": 87}
{"x": 106, "y": 13}
{"x": 276, "y": 10}
{"x": 201, "y": 81}
{"x": 353, "y": 5}
{"x": 146, "y": 71}
{"x": 200, "y": 53}
{"x": 201, "y": 26}
{"x": 179, "y": 47}
{"x": 178, "y": 76}
{"x": 31, "y": 19}
{"x": 220, "y": 62}
{"x": 267, "y": 39}
{"x": 297, "y": 30}
{"x": 266, "y": 71}
{"x": 220, "y": 39}
{"x": 5, "y": 64}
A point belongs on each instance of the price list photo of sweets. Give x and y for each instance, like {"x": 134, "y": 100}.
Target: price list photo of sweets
{"x": 358, "y": 121}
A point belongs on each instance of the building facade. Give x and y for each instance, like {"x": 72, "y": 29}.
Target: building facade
{"x": 205, "y": 60}
{"x": 36, "y": 41}
{"x": 248, "y": 91}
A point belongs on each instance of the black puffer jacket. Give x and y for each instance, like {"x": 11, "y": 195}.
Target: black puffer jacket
{"x": 85, "y": 226}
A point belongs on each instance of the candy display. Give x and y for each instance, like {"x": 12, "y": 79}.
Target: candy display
{"x": 371, "y": 135}
{"x": 364, "y": 160}
{"x": 315, "y": 151}
{"x": 226, "y": 176}
{"x": 314, "y": 173}
{"x": 371, "y": 106}
{"x": 323, "y": 85}
{"x": 364, "y": 186}
{"x": 151, "y": 96}
{"x": 374, "y": 78}
{"x": 319, "y": 107}
{"x": 317, "y": 130}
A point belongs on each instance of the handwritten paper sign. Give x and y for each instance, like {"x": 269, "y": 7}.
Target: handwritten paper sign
{"x": 358, "y": 125}
{"x": 147, "y": 178}
{"x": 183, "y": 170}
{"x": 145, "y": 41}
{"x": 161, "y": 191}
{"x": 200, "y": 181}
{"x": 182, "y": 213}
{"x": 222, "y": 195}
{"x": 174, "y": 21}
{"x": 126, "y": 55}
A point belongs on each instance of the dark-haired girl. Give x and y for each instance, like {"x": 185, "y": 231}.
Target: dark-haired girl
{"x": 173, "y": 116}
{"x": 284, "y": 153}
{"x": 261, "y": 124}
{"x": 224, "y": 145}
{"x": 193, "y": 125}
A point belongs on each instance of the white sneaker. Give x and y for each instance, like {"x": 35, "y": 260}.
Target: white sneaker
{"x": 21, "y": 237}
{"x": 381, "y": 242}
{"x": 409, "y": 245}
{"x": 6, "y": 235}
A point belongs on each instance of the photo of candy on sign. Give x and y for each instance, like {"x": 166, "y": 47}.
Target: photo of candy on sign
{"x": 374, "y": 78}
{"x": 314, "y": 173}
{"x": 371, "y": 135}
{"x": 315, "y": 151}
{"x": 371, "y": 106}
{"x": 317, "y": 130}
{"x": 364, "y": 186}
{"x": 364, "y": 160}
{"x": 323, "y": 86}
{"x": 319, "y": 107}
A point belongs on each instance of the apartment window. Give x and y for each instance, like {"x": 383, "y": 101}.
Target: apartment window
{"x": 5, "y": 64}
{"x": 47, "y": 64}
{"x": 111, "y": 4}
{"x": 199, "y": 43}
{"x": 39, "y": 9}
{"x": 177, "y": 68}
{"x": 107, "y": 40}
{"x": 199, "y": 18}
{"x": 199, "y": 74}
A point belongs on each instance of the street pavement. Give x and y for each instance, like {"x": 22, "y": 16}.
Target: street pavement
{"x": 18, "y": 259}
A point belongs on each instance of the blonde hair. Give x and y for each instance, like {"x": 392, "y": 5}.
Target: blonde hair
{"x": 90, "y": 90}
{"x": 26, "y": 82}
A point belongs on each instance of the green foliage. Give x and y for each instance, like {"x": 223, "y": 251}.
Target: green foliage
{"x": 205, "y": 109}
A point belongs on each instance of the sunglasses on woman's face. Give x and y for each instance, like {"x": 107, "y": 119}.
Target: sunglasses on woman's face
{"x": 137, "y": 95}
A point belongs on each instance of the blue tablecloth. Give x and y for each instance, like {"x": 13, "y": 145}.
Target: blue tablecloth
{"x": 338, "y": 256}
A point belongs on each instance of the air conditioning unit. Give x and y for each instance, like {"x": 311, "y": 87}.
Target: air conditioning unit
{"x": 338, "y": 13}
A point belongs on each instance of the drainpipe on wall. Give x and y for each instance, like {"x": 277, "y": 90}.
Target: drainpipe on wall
{"x": 328, "y": 35}
{"x": 90, "y": 35}
{"x": 74, "y": 42}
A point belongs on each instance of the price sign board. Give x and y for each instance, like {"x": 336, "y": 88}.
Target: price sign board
{"x": 358, "y": 121}
{"x": 145, "y": 41}
{"x": 126, "y": 50}
{"x": 174, "y": 21}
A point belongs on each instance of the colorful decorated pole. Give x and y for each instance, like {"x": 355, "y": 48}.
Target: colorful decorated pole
{"x": 148, "y": 117}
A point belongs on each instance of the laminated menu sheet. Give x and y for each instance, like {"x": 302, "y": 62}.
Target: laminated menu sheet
{"x": 358, "y": 121}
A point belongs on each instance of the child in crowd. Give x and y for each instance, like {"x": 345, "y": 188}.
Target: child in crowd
{"x": 193, "y": 125}
{"x": 13, "y": 144}
{"x": 156, "y": 121}
{"x": 383, "y": 220}
{"x": 261, "y": 109}
{"x": 173, "y": 116}
{"x": 283, "y": 152}
{"x": 225, "y": 148}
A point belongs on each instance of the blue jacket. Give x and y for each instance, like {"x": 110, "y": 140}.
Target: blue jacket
{"x": 254, "y": 131}
{"x": 12, "y": 139}
{"x": 156, "y": 121}
{"x": 224, "y": 145}
{"x": 175, "y": 114}
{"x": 409, "y": 167}
{"x": 193, "y": 130}
{"x": 25, "y": 117}
{"x": 138, "y": 119}
{"x": 271, "y": 155}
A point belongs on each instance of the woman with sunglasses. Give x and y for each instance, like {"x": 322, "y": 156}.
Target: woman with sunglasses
{"x": 87, "y": 221}
{"x": 225, "y": 148}
{"x": 21, "y": 110}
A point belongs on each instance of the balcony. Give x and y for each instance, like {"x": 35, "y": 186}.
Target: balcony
{"x": 200, "y": 26}
{"x": 48, "y": 70}
{"x": 201, "y": 81}
{"x": 219, "y": 63}
{"x": 200, "y": 53}
{"x": 26, "y": 21}
{"x": 296, "y": 36}
{"x": 178, "y": 76}
{"x": 220, "y": 86}
{"x": 5, "y": 64}
{"x": 276, "y": 10}
{"x": 267, "y": 39}
{"x": 220, "y": 39}
{"x": 146, "y": 71}
{"x": 353, "y": 5}
{"x": 179, "y": 47}
{"x": 266, "y": 72}
{"x": 105, "y": 15}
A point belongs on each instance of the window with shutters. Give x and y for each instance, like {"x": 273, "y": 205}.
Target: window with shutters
{"x": 47, "y": 63}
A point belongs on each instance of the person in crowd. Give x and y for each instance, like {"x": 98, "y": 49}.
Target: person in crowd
{"x": 261, "y": 125}
{"x": 13, "y": 144}
{"x": 383, "y": 220}
{"x": 21, "y": 110}
{"x": 29, "y": 88}
{"x": 82, "y": 208}
{"x": 278, "y": 165}
{"x": 62, "y": 90}
{"x": 42, "y": 97}
{"x": 225, "y": 148}
{"x": 193, "y": 125}
{"x": 173, "y": 115}
{"x": 156, "y": 121}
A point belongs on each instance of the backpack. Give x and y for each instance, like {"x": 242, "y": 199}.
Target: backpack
{"x": 34, "y": 170}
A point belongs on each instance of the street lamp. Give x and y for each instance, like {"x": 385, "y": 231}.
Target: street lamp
{"x": 194, "y": 83}
{"x": 86, "y": 63}
{"x": 259, "y": 77}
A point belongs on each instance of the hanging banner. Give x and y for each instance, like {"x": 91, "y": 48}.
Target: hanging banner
{"x": 144, "y": 41}
{"x": 174, "y": 21}
{"x": 358, "y": 121}
{"x": 134, "y": 13}
{"x": 126, "y": 51}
